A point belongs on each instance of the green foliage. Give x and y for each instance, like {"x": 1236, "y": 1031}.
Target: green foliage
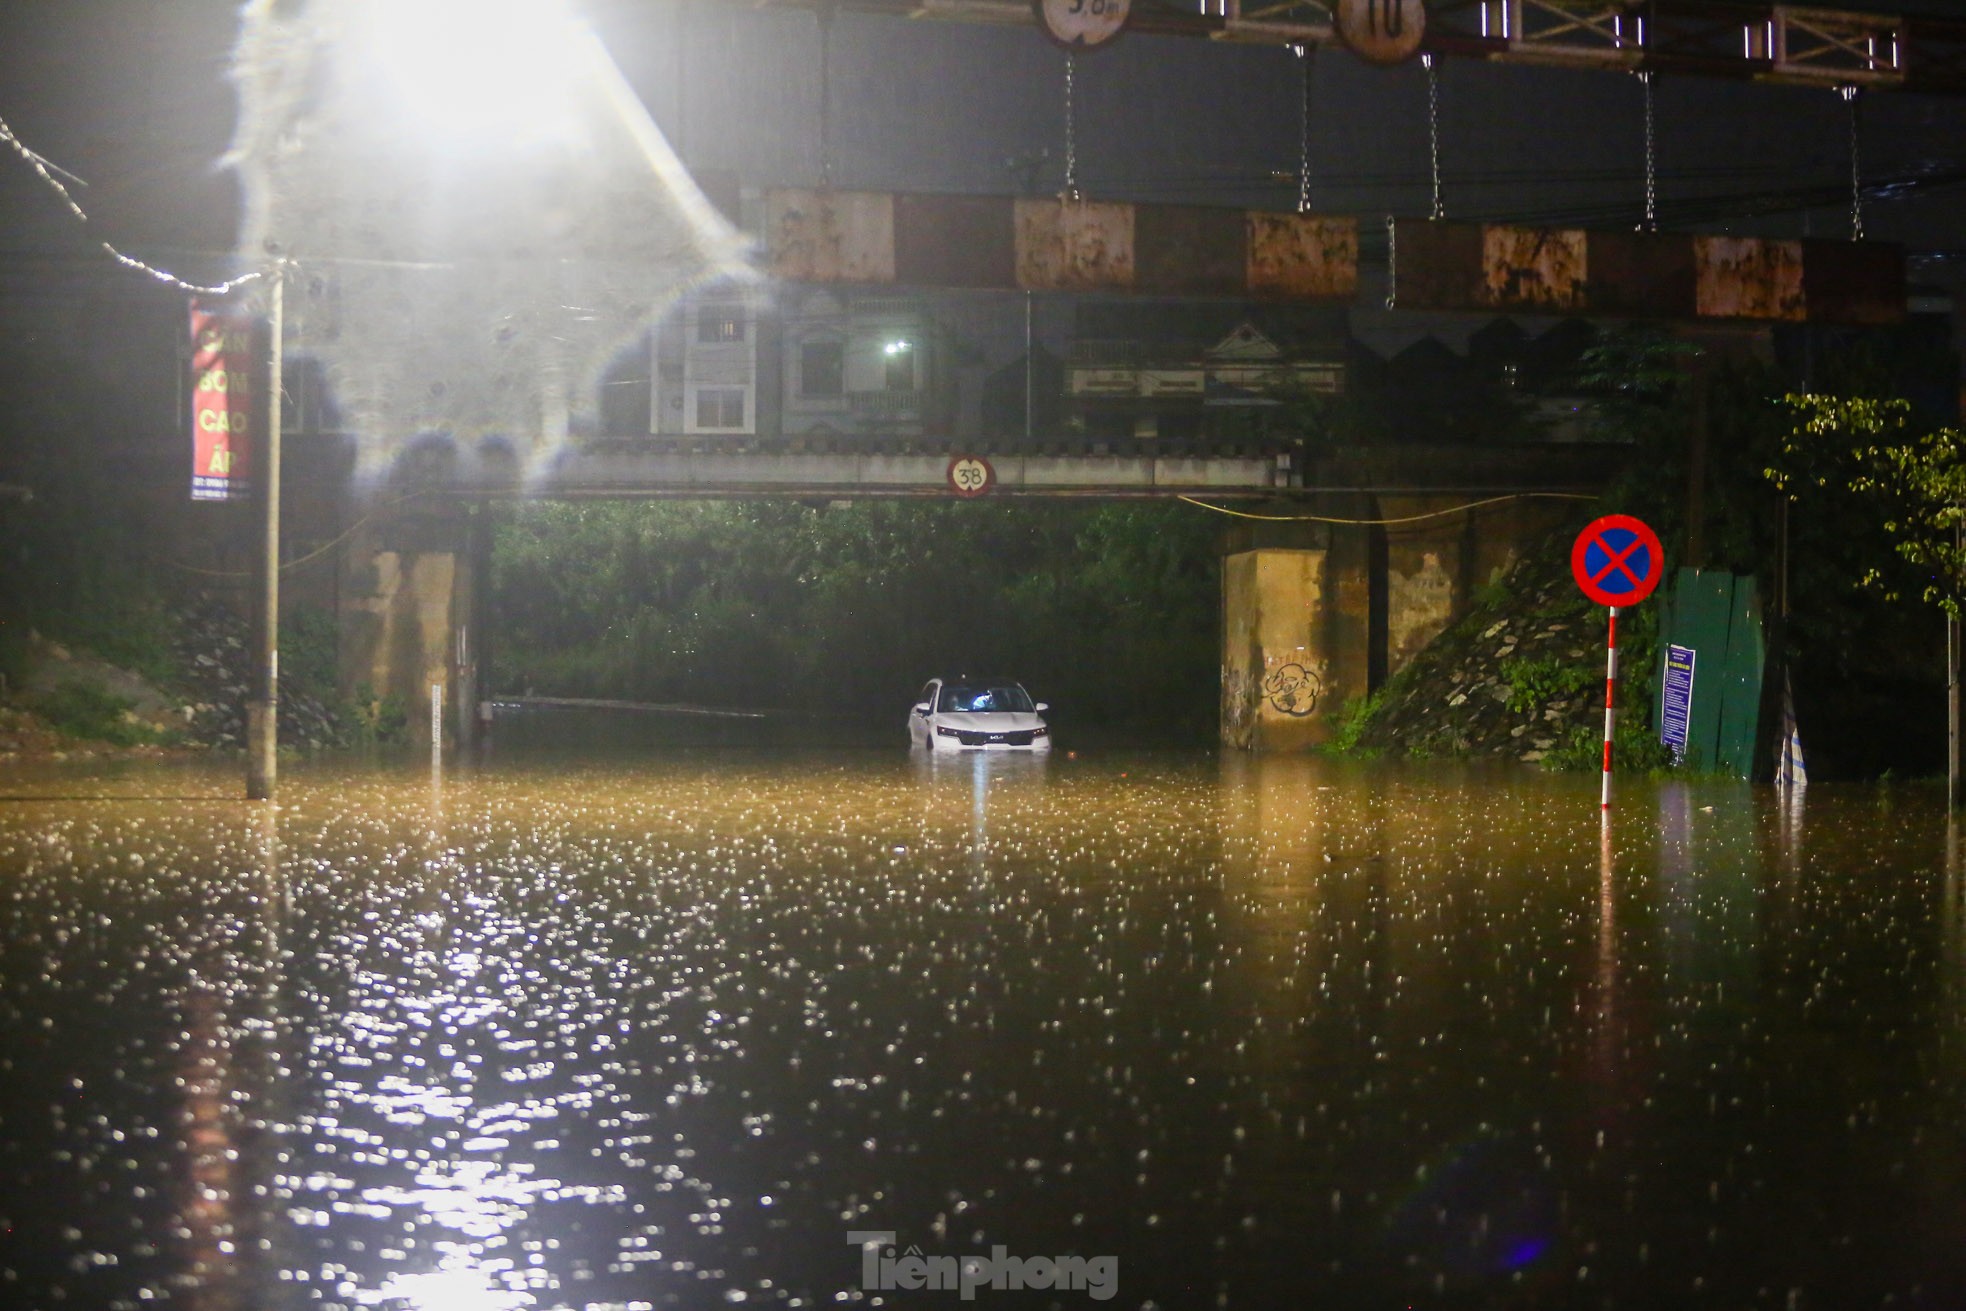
{"x": 1353, "y": 720}
{"x": 1914, "y": 482}
{"x": 78, "y": 557}
{"x": 1533, "y": 684}
{"x": 1488, "y": 597}
{"x": 380, "y": 720}
{"x": 87, "y": 710}
{"x": 1109, "y": 610}
{"x": 1636, "y": 371}
{"x": 1635, "y": 749}
{"x": 309, "y": 644}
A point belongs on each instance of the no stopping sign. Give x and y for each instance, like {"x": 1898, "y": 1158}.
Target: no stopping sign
{"x": 1617, "y": 560}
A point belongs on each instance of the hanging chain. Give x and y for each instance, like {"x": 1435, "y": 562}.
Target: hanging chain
{"x": 1071, "y": 192}
{"x": 1304, "y": 54}
{"x": 1392, "y": 264}
{"x": 1851, "y": 96}
{"x": 1433, "y": 131}
{"x": 826, "y": 97}
{"x": 1651, "y": 223}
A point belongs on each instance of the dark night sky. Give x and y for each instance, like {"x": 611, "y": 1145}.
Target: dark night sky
{"x": 134, "y": 96}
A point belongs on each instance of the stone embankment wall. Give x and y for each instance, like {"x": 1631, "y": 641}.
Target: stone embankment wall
{"x": 1520, "y": 677}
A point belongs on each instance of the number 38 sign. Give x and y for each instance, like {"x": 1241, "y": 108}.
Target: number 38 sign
{"x": 1082, "y": 24}
{"x": 970, "y": 475}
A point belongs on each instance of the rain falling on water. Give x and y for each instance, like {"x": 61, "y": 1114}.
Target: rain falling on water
{"x": 664, "y": 1033}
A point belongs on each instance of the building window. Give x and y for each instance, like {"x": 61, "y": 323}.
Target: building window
{"x": 720, "y": 407}
{"x": 822, "y": 368}
{"x": 720, "y": 323}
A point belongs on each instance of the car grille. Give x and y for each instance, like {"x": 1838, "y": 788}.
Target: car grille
{"x": 992, "y": 739}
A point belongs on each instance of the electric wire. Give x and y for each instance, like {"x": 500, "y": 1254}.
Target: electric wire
{"x": 47, "y": 170}
{"x": 313, "y": 555}
{"x": 1387, "y": 523}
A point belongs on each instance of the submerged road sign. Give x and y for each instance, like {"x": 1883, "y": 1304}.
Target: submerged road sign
{"x": 1617, "y": 560}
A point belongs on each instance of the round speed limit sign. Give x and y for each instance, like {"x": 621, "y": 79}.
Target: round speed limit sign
{"x": 971, "y": 475}
{"x": 1082, "y": 24}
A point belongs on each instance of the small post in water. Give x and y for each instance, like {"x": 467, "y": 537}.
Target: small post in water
{"x": 436, "y": 728}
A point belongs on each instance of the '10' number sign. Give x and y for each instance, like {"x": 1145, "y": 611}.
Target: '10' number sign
{"x": 1381, "y": 31}
{"x": 1082, "y": 24}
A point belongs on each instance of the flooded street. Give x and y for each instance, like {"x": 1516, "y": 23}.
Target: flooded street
{"x": 727, "y": 1026}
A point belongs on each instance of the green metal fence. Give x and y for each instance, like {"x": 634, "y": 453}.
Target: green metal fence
{"x": 1718, "y": 616}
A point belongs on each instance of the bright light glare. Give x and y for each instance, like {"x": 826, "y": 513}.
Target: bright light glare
{"x": 500, "y": 71}
{"x": 898, "y": 347}
{"x": 455, "y": 1288}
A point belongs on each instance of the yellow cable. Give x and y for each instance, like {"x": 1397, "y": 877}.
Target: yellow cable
{"x": 1380, "y": 523}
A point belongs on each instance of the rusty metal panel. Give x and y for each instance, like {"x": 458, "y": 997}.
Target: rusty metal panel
{"x": 1748, "y": 278}
{"x": 1074, "y": 246}
{"x": 1190, "y": 250}
{"x": 830, "y": 236}
{"x": 955, "y": 241}
{"x": 1436, "y": 265}
{"x": 1533, "y": 268}
{"x": 1644, "y": 274}
{"x": 1859, "y": 282}
{"x": 1302, "y": 255}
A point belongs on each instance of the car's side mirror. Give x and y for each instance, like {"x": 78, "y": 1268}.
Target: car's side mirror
{"x": 921, "y": 707}
{"x": 1043, "y": 706}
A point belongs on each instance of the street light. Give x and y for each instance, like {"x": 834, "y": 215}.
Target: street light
{"x": 484, "y": 209}
{"x": 476, "y": 74}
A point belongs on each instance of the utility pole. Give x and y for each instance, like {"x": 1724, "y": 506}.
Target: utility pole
{"x": 263, "y": 710}
{"x": 1953, "y": 636}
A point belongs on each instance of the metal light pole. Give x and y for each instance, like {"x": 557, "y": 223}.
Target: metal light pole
{"x": 263, "y": 709}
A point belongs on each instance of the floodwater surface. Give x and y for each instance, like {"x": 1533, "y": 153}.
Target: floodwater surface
{"x": 726, "y": 1027}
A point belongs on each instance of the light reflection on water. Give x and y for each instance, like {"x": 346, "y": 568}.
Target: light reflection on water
{"x": 665, "y": 1030}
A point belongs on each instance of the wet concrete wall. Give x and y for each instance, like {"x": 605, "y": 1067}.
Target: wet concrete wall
{"x": 1316, "y": 614}
{"x": 407, "y": 599}
{"x": 1296, "y": 625}
{"x": 1444, "y": 553}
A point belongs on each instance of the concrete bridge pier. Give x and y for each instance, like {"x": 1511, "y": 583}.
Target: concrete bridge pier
{"x": 1323, "y": 605}
{"x": 1296, "y": 623}
{"x": 411, "y": 601}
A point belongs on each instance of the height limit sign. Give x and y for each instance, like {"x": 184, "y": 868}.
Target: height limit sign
{"x": 1618, "y": 562}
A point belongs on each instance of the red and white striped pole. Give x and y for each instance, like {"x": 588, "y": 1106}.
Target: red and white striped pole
{"x": 1610, "y": 701}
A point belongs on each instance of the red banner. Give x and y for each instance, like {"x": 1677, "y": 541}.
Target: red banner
{"x": 224, "y": 386}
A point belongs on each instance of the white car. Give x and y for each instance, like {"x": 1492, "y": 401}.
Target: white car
{"x": 993, "y": 714}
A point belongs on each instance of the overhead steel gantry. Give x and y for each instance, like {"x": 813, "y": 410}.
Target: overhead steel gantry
{"x": 1710, "y": 38}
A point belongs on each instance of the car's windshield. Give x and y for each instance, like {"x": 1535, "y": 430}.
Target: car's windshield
{"x": 983, "y": 698}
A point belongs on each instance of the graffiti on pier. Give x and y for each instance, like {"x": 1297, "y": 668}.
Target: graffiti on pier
{"x": 1293, "y": 689}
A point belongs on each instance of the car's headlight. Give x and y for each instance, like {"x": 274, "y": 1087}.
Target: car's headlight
{"x": 942, "y": 730}
{"x": 1040, "y": 731}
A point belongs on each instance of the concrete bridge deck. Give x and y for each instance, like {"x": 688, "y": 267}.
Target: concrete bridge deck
{"x": 715, "y": 468}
